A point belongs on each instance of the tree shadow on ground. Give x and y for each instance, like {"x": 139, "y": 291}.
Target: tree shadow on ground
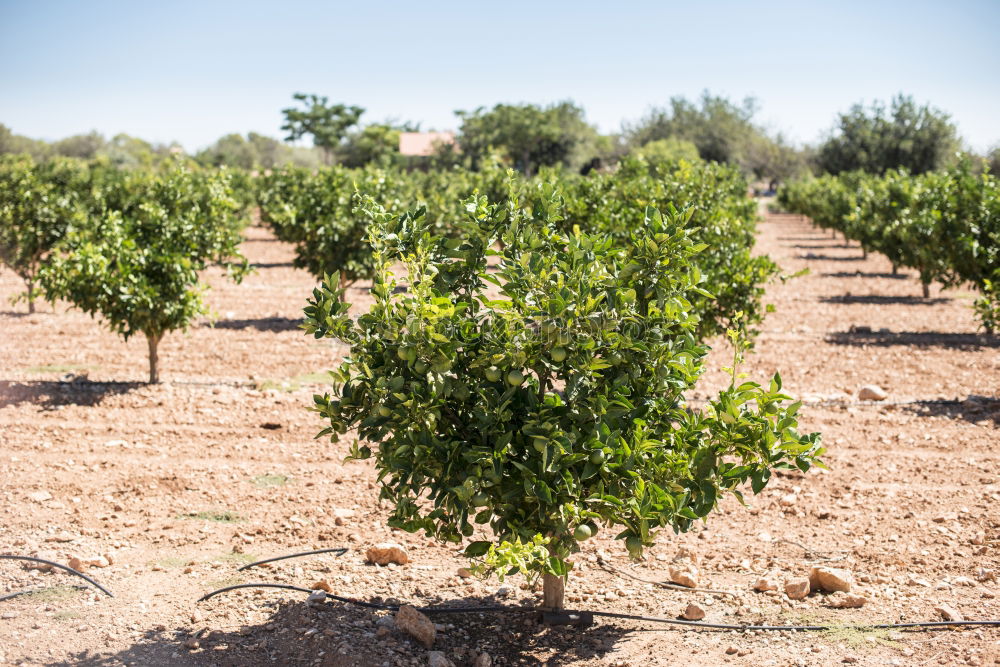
{"x": 272, "y": 265}
{"x": 810, "y": 239}
{"x": 333, "y": 634}
{"x": 974, "y": 408}
{"x": 273, "y": 324}
{"x": 833, "y": 245}
{"x": 862, "y": 274}
{"x": 831, "y": 258}
{"x": 53, "y": 394}
{"x": 885, "y": 338}
{"x": 880, "y": 300}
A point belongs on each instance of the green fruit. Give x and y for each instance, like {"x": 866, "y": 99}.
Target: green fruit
{"x": 493, "y": 374}
{"x": 479, "y": 500}
{"x": 421, "y": 366}
{"x": 515, "y": 378}
{"x": 582, "y": 533}
{"x": 384, "y": 411}
{"x": 401, "y": 353}
{"x": 597, "y": 457}
{"x": 461, "y": 392}
{"x": 558, "y": 354}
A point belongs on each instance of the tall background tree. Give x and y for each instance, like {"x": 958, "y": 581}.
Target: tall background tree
{"x": 327, "y": 123}
{"x": 528, "y": 135}
{"x": 900, "y": 135}
{"x": 721, "y": 131}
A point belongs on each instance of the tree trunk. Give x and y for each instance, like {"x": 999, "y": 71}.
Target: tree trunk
{"x": 864, "y": 253}
{"x": 31, "y": 295}
{"x": 895, "y": 269}
{"x": 553, "y": 589}
{"x": 927, "y": 290}
{"x": 154, "y": 359}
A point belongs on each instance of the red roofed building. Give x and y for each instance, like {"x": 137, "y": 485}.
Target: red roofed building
{"x": 423, "y": 144}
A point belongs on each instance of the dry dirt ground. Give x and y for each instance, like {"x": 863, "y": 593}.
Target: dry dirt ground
{"x": 179, "y": 484}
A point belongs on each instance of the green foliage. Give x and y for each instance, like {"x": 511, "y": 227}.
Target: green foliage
{"x": 876, "y": 139}
{"x": 375, "y": 144}
{"x": 528, "y": 135}
{"x": 721, "y": 131}
{"x": 546, "y": 392}
{"x": 136, "y": 265}
{"x": 669, "y": 150}
{"x": 38, "y": 206}
{"x": 943, "y": 224}
{"x": 327, "y": 123}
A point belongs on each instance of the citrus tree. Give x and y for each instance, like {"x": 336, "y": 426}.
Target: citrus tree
{"x": 137, "y": 265}
{"x": 542, "y": 399}
{"x": 35, "y": 212}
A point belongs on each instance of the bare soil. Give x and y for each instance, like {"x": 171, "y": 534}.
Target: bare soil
{"x": 181, "y": 483}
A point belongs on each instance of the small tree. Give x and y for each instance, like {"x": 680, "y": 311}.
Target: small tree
{"x": 137, "y": 266}
{"x": 551, "y": 407}
{"x": 35, "y": 212}
{"x": 327, "y": 123}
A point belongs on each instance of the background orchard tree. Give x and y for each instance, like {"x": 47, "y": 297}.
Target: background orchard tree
{"x": 901, "y": 136}
{"x": 529, "y": 135}
{"x": 35, "y": 213}
{"x": 552, "y": 408}
{"x": 136, "y": 267}
{"x": 327, "y": 123}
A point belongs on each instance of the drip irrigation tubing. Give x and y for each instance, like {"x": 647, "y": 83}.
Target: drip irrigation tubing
{"x": 61, "y": 567}
{"x": 629, "y": 617}
{"x": 28, "y": 591}
{"x": 340, "y": 551}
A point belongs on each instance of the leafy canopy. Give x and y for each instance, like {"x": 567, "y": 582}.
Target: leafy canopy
{"x": 327, "y": 123}
{"x": 137, "y": 265}
{"x": 544, "y": 397}
{"x": 903, "y": 136}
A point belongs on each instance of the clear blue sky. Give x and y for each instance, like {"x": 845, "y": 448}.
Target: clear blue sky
{"x": 194, "y": 70}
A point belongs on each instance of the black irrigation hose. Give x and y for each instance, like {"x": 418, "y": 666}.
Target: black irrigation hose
{"x": 340, "y": 551}
{"x": 629, "y": 617}
{"x": 28, "y": 591}
{"x": 802, "y": 628}
{"x": 61, "y": 567}
{"x": 370, "y": 605}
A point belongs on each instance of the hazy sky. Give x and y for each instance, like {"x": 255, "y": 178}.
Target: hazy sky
{"x": 193, "y": 71}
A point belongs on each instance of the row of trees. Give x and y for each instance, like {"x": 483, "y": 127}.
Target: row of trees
{"x": 527, "y": 137}
{"x": 944, "y": 224}
{"x": 317, "y": 212}
{"x": 126, "y": 246}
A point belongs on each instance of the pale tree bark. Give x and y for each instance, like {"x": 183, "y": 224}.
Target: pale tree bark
{"x": 553, "y": 589}
{"x": 153, "y": 341}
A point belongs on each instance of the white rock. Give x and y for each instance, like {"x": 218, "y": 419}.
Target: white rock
{"x": 871, "y": 392}
{"x": 948, "y": 613}
{"x": 788, "y": 500}
{"x": 830, "y": 579}
{"x": 387, "y": 552}
{"x": 797, "y": 589}
{"x": 40, "y": 496}
{"x": 846, "y": 601}
{"x": 686, "y": 575}
{"x": 694, "y": 613}
{"x": 766, "y": 584}
{"x": 415, "y": 624}
{"x": 438, "y": 659}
